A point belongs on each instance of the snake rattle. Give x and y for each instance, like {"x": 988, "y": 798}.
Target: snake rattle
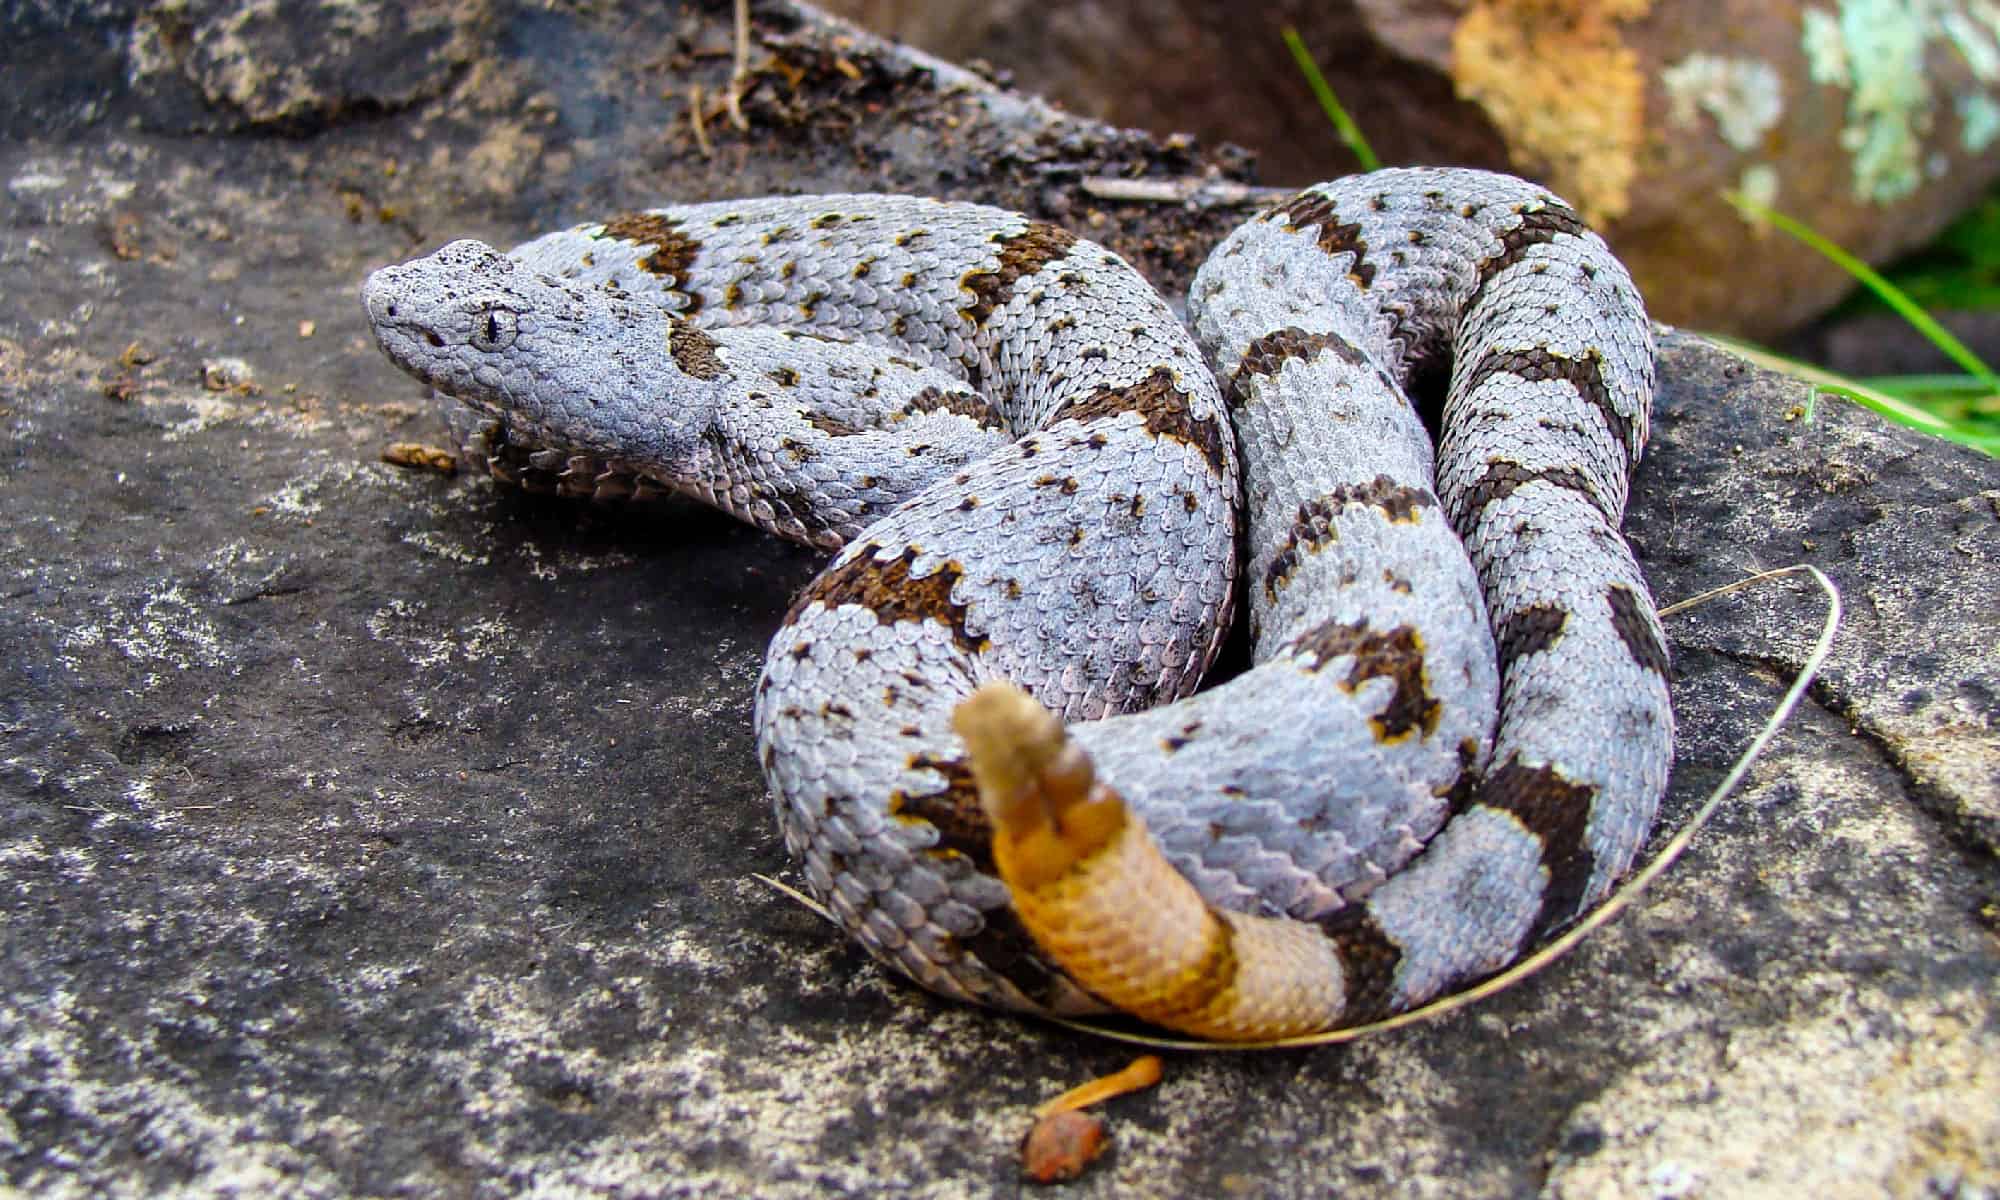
{"x": 979, "y": 722}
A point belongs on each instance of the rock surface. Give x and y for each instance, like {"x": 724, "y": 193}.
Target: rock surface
{"x": 367, "y": 831}
{"x": 1874, "y": 122}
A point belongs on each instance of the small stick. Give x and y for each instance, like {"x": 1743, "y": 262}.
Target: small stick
{"x": 1200, "y": 192}
{"x": 694, "y": 118}
{"x": 1143, "y": 1073}
{"x": 740, "y": 72}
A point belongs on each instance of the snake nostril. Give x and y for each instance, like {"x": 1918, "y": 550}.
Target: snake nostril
{"x": 389, "y": 310}
{"x": 433, "y": 338}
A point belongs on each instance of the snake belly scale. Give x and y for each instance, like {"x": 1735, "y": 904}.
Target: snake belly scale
{"x": 979, "y": 723}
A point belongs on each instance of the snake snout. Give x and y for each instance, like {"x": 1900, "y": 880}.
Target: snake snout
{"x": 379, "y": 298}
{"x": 398, "y": 321}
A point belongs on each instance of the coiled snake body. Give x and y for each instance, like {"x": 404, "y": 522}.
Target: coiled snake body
{"x": 1030, "y": 469}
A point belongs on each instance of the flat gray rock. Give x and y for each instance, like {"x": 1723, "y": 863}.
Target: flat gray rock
{"x": 368, "y": 831}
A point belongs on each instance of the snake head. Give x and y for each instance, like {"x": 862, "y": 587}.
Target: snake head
{"x": 564, "y": 364}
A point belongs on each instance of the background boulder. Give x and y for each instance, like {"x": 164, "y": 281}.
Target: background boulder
{"x": 1874, "y": 123}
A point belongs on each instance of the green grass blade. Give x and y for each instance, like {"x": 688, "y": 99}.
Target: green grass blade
{"x": 1890, "y": 294}
{"x": 1350, "y": 133}
{"x": 1941, "y": 387}
{"x": 1930, "y": 385}
{"x": 1869, "y": 398}
{"x": 1831, "y": 383}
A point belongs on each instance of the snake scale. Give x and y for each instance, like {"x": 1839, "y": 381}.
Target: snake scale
{"x": 979, "y": 723}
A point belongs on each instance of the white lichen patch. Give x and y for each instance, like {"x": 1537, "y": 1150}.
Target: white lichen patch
{"x": 207, "y": 408}
{"x": 1867, "y": 1099}
{"x": 571, "y": 560}
{"x": 437, "y": 545}
{"x": 303, "y": 497}
{"x": 23, "y": 852}
{"x": 169, "y": 630}
{"x": 1825, "y": 48}
{"x": 486, "y": 637}
{"x": 1973, "y": 29}
{"x": 34, "y": 180}
{"x": 325, "y": 779}
{"x": 687, "y": 950}
{"x": 234, "y": 557}
{"x": 1871, "y": 1087}
{"x": 58, "y": 1040}
{"x": 1878, "y": 50}
{"x": 398, "y": 623}
{"x": 1744, "y": 96}
{"x": 76, "y": 188}
{"x": 205, "y": 411}
{"x": 242, "y": 569}
{"x": 759, "y": 1117}
{"x": 717, "y": 700}
{"x": 1978, "y": 122}
{"x": 1366, "y": 1140}
{"x": 427, "y": 643}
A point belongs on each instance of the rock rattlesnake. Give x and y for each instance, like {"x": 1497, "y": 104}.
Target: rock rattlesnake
{"x": 1030, "y": 470}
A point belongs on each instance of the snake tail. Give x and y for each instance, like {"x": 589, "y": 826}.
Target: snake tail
{"x": 1101, "y": 900}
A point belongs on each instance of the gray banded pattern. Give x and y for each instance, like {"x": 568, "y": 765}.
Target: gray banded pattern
{"x": 1455, "y": 729}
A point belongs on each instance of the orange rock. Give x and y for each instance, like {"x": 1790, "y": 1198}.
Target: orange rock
{"x": 1061, "y": 1145}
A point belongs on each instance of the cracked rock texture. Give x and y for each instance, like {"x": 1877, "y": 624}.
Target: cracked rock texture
{"x": 366, "y": 831}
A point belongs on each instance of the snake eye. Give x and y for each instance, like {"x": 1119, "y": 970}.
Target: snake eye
{"x": 494, "y": 329}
